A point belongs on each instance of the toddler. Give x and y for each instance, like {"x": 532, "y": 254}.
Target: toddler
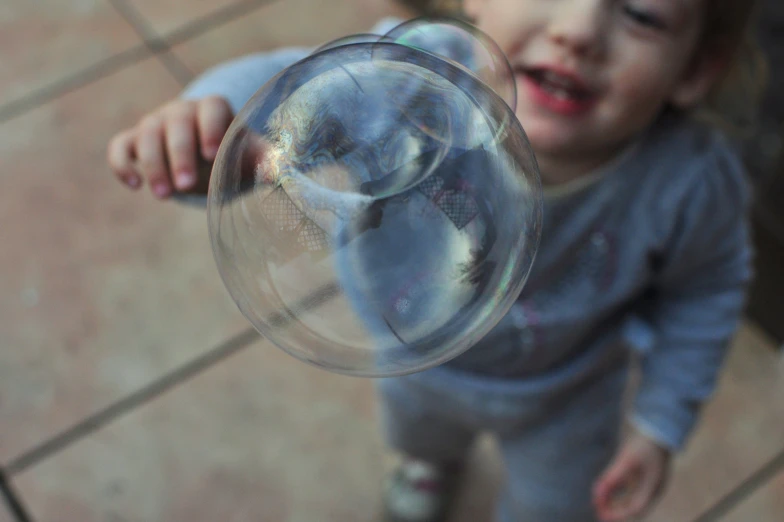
{"x": 645, "y": 250}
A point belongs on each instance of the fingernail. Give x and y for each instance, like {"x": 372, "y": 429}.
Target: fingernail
{"x": 161, "y": 190}
{"x": 184, "y": 179}
{"x": 133, "y": 181}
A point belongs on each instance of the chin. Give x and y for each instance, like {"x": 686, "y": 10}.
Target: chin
{"x": 548, "y": 140}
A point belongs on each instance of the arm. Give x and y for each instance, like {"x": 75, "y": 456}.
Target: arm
{"x": 236, "y": 82}
{"x": 171, "y": 149}
{"x": 239, "y": 79}
{"x": 703, "y": 269}
{"x": 700, "y": 295}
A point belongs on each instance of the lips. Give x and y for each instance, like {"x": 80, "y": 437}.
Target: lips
{"x": 558, "y": 90}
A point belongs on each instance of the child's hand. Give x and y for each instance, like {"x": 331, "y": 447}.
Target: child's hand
{"x": 633, "y": 480}
{"x": 166, "y": 145}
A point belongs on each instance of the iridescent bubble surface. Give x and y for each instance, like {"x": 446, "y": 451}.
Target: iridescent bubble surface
{"x": 351, "y": 39}
{"x": 374, "y": 209}
{"x": 464, "y": 44}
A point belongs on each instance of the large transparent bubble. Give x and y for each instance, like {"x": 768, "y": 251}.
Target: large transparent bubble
{"x": 374, "y": 209}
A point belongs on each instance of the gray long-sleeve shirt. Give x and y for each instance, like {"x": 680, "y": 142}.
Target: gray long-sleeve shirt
{"x": 651, "y": 252}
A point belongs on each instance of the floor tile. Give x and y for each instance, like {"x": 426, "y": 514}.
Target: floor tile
{"x": 264, "y": 437}
{"x": 285, "y": 23}
{"x": 260, "y": 437}
{"x": 741, "y": 430}
{"x": 46, "y": 40}
{"x": 102, "y": 289}
{"x": 764, "y": 505}
{"x": 166, "y": 17}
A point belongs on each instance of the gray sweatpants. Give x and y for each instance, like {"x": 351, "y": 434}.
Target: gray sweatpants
{"x": 553, "y": 448}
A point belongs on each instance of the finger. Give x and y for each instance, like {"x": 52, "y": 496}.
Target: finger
{"x": 152, "y": 161}
{"x": 121, "y": 155}
{"x": 214, "y": 117}
{"x": 610, "y": 481}
{"x": 622, "y": 500}
{"x": 641, "y": 496}
{"x": 612, "y": 490}
{"x": 181, "y": 147}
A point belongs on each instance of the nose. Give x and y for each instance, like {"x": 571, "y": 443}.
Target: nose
{"x": 577, "y": 25}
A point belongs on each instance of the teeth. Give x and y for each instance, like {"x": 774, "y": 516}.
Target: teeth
{"x": 559, "y": 81}
{"x": 559, "y": 86}
{"x": 558, "y": 92}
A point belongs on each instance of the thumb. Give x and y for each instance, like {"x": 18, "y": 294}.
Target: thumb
{"x": 642, "y": 494}
{"x": 614, "y": 486}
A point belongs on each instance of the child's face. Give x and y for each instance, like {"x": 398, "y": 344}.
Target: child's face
{"x": 591, "y": 74}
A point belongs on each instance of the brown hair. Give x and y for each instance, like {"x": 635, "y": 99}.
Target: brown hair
{"x": 436, "y": 7}
{"x": 730, "y": 31}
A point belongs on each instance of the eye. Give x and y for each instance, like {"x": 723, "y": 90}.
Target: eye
{"x": 643, "y": 18}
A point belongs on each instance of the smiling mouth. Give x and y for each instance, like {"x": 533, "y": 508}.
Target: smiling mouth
{"x": 559, "y": 86}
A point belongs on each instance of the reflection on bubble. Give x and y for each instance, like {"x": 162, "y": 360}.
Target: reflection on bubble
{"x": 351, "y": 39}
{"x": 374, "y": 209}
{"x": 464, "y": 44}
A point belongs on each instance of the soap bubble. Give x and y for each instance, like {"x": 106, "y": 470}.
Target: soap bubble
{"x": 351, "y": 39}
{"x": 374, "y": 209}
{"x": 464, "y": 44}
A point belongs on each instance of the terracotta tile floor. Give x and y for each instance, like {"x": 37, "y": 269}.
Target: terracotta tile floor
{"x": 282, "y": 23}
{"x": 104, "y": 290}
{"x": 46, "y": 42}
{"x": 762, "y": 502}
{"x": 741, "y": 431}
{"x": 257, "y": 437}
{"x": 170, "y": 16}
{"x": 131, "y": 389}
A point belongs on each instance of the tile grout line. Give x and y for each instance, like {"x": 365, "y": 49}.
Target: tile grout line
{"x": 72, "y": 82}
{"x": 112, "y": 64}
{"x": 176, "y": 68}
{"x": 132, "y": 401}
{"x": 159, "y": 386}
{"x": 157, "y": 45}
{"x": 161, "y": 46}
{"x": 13, "y": 500}
{"x": 210, "y": 21}
{"x": 215, "y": 19}
{"x": 745, "y": 489}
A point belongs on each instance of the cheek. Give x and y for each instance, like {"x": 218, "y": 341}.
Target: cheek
{"x": 640, "y": 90}
{"x": 513, "y": 32}
{"x": 639, "y": 82}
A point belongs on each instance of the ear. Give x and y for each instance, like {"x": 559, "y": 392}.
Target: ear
{"x": 698, "y": 79}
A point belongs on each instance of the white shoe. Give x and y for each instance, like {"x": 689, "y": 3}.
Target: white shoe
{"x": 418, "y": 491}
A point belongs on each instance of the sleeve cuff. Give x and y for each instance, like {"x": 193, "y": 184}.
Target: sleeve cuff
{"x": 665, "y": 420}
